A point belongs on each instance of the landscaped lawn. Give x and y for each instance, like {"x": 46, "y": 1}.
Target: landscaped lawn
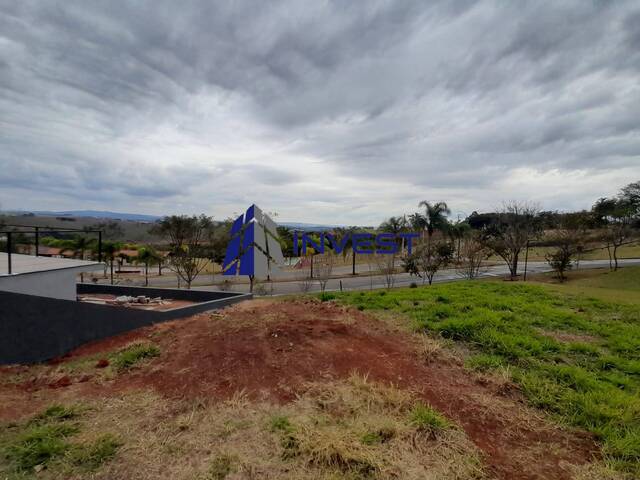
{"x": 574, "y": 353}
{"x": 622, "y": 286}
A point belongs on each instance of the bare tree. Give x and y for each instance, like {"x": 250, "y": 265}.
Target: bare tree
{"x": 304, "y": 281}
{"x": 187, "y": 236}
{"x": 386, "y": 263}
{"x": 323, "y": 269}
{"x": 471, "y": 253}
{"x": 508, "y": 234}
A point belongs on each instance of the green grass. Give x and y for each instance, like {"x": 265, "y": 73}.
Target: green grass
{"x": 280, "y": 423}
{"x": 622, "y": 286}
{"x": 39, "y": 444}
{"x": 92, "y": 456}
{"x": 592, "y": 381}
{"x": 537, "y": 254}
{"x": 129, "y": 356}
{"x": 426, "y": 419}
{"x": 220, "y": 467}
{"x": 376, "y": 437}
{"x": 45, "y": 441}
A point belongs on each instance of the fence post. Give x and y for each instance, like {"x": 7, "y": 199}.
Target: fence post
{"x": 526, "y": 260}
{"x": 9, "y": 266}
{"x": 37, "y": 242}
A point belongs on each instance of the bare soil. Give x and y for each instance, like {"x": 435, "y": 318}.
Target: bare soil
{"x": 272, "y": 349}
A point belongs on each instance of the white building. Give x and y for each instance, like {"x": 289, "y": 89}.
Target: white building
{"x": 43, "y": 276}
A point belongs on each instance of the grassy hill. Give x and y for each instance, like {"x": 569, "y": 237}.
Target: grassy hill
{"x": 468, "y": 380}
{"x": 573, "y": 349}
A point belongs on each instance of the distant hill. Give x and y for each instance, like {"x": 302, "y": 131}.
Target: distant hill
{"x": 138, "y": 217}
{"x": 307, "y": 227}
{"x": 135, "y": 217}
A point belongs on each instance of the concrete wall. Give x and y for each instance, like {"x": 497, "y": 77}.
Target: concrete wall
{"x": 59, "y": 284}
{"x": 34, "y": 329}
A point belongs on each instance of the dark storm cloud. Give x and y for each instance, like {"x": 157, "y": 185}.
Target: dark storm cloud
{"x": 118, "y": 101}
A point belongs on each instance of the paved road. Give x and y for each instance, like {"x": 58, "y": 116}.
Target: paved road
{"x": 404, "y": 279}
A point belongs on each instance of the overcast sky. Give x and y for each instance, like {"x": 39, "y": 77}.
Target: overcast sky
{"x": 337, "y": 112}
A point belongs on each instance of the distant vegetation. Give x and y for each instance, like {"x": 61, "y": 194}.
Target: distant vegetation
{"x": 189, "y": 245}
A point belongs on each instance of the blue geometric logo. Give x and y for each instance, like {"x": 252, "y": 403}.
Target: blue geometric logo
{"x": 253, "y": 249}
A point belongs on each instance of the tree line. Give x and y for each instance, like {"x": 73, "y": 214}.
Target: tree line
{"x": 508, "y": 233}
{"x": 190, "y": 243}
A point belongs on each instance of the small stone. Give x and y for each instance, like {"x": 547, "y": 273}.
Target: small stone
{"x": 102, "y": 363}
{"x": 62, "y": 382}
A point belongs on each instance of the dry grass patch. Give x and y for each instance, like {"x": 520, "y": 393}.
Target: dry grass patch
{"x": 599, "y": 471}
{"x": 354, "y": 429}
{"x": 568, "y": 337}
{"x": 429, "y": 348}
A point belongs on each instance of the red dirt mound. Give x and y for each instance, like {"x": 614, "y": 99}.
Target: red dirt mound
{"x": 271, "y": 349}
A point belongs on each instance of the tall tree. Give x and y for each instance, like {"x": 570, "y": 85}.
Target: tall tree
{"x": 631, "y": 193}
{"x": 395, "y": 225}
{"x": 508, "y": 235}
{"x": 457, "y": 231}
{"x": 109, "y": 250}
{"x": 187, "y": 238}
{"x": 435, "y": 216}
{"x": 147, "y": 255}
{"x": 80, "y": 245}
{"x": 616, "y": 215}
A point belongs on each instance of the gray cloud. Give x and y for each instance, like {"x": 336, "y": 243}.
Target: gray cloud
{"x": 325, "y": 111}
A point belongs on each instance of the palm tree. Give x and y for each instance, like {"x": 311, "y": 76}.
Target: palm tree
{"x": 349, "y": 244}
{"x": 109, "y": 249}
{"x": 395, "y": 225}
{"x": 457, "y": 231}
{"x": 147, "y": 255}
{"x": 435, "y": 216}
{"x": 80, "y": 245}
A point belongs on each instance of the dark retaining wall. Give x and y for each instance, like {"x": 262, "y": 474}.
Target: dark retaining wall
{"x": 34, "y": 329}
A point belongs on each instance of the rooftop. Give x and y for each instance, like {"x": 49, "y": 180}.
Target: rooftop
{"x": 31, "y": 264}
